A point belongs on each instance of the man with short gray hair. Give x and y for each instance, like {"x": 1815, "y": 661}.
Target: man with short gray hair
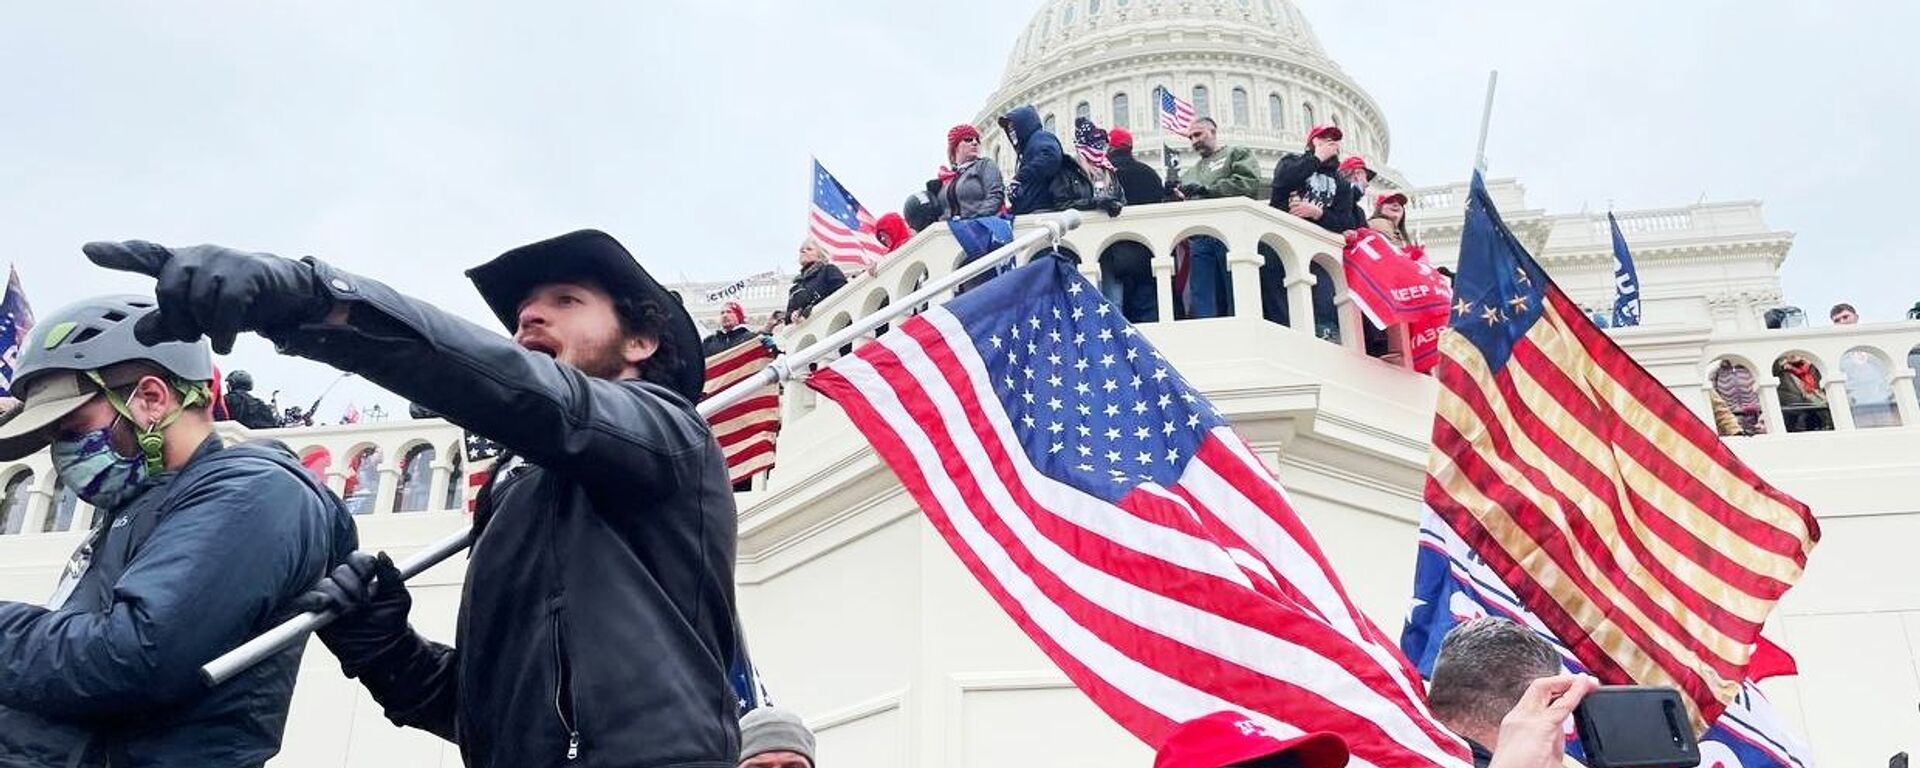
{"x": 1483, "y": 668}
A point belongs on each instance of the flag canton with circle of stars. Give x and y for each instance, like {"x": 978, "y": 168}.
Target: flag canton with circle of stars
{"x": 1091, "y": 401}
{"x": 833, "y": 199}
{"x": 1499, "y": 291}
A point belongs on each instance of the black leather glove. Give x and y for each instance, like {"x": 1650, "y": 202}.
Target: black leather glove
{"x": 1193, "y": 191}
{"x": 372, "y": 601}
{"x": 207, "y": 290}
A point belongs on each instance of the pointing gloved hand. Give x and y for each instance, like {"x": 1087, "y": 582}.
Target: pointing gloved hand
{"x": 207, "y": 290}
{"x": 372, "y": 602}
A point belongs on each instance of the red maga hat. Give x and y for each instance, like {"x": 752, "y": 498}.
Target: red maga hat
{"x": 1231, "y": 738}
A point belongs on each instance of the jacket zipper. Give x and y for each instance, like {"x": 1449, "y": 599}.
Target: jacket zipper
{"x": 561, "y": 691}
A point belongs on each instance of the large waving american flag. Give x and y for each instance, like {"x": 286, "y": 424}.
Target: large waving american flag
{"x": 1116, "y": 517}
{"x": 1616, "y": 515}
{"x": 841, "y": 224}
{"x": 745, "y": 430}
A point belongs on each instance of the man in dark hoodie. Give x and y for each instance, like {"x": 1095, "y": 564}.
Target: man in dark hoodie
{"x": 1138, "y": 180}
{"x": 1311, "y": 186}
{"x": 1040, "y": 159}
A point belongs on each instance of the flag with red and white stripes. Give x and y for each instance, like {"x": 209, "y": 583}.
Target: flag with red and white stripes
{"x": 1121, "y": 523}
{"x": 479, "y": 454}
{"x": 841, "y": 224}
{"x": 745, "y": 430}
{"x": 1614, "y": 512}
{"x": 1176, "y": 114}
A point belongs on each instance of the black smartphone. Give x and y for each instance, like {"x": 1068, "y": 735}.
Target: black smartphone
{"x": 1636, "y": 726}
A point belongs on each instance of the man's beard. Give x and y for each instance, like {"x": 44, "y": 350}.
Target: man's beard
{"x": 601, "y": 360}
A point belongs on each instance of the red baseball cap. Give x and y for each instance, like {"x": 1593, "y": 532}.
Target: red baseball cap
{"x": 1231, "y": 738}
{"x": 734, "y": 308}
{"x": 1384, "y": 197}
{"x": 1355, "y": 161}
{"x": 1119, "y": 137}
{"x": 1328, "y": 130}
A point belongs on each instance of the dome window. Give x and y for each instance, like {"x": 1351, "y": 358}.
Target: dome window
{"x": 1066, "y": 15}
{"x": 1047, "y": 122}
{"x": 1093, "y": 7}
{"x": 1306, "y": 115}
{"x": 1202, "y": 106}
{"x": 1083, "y": 109}
{"x": 1276, "y": 112}
{"x": 1122, "y": 111}
{"x": 1240, "y": 108}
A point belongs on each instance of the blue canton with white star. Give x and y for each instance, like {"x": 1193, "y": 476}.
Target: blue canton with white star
{"x": 1499, "y": 291}
{"x": 1093, "y": 403}
{"x": 833, "y": 199}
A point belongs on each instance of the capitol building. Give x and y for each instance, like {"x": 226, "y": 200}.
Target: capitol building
{"x": 862, "y": 619}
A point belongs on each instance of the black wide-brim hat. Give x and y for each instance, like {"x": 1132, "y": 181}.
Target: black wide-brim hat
{"x": 590, "y": 254}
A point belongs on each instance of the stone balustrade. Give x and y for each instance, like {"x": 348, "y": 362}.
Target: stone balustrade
{"x": 407, "y": 466}
{"x": 1866, "y": 374}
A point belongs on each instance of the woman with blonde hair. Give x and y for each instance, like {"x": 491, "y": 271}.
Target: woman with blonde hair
{"x": 817, "y": 280}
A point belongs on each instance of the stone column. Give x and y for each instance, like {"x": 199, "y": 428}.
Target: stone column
{"x": 1351, "y": 335}
{"x": 1300, "y": 300}
{"x": 1243, "y": 263}
{"x": 39, "y": 503}
{"x": 385, "y": 485}
{"x": 1163, "y": 285}
{"x": 1904, "y": 398}
{"x": 437, "y": 490}
{"x": 1770, "y": 408}
{"x": 1838, "y": 404}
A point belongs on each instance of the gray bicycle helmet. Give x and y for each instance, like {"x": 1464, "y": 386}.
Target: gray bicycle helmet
{"x": 50, "y": 379}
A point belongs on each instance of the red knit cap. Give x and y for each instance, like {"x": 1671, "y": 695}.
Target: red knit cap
{"x": 1120, "y": 138}
{"x": 957, "y": 134}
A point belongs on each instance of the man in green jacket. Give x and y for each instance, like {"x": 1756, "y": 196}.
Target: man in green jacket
{"x": 1221, "y": 172}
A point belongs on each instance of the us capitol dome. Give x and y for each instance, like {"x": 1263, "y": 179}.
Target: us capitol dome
{"x": 1254, "y": 66}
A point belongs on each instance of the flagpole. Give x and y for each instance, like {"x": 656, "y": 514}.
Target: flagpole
{"x": 293, "y": 630}
{"x": 1486, "y": 121}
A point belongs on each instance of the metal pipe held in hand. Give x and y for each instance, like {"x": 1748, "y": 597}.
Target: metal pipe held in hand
{"x": 296, "y": 629}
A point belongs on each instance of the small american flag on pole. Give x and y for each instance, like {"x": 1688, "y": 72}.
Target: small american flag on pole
{"x": 1121, "y": 523}
{"x": 745, "y": 430}
{"x": 1176, "y": 114}
{"x": 843, "y": 226}
{"x": 1617, "y": 516}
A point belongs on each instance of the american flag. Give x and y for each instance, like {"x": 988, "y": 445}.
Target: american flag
{"x": 480, "y": 455}
{"x": 1619, "y": 518}
{"x": 843, "y": 227}
{"x": 1091, "y": 142}
{"x": 1122, "y": 524}
{"x": 746, "y": 429}
{"x": 16, "y": 319}
{"x": 1176, "y": 114}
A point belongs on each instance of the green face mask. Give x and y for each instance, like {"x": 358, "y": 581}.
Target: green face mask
{"x": 150, "y": 440}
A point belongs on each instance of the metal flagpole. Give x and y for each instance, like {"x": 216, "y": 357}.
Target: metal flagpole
{"x": 1486, "y": 120}
{"x": 294, "y": 630}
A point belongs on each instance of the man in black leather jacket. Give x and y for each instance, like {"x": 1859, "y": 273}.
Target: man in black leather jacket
{"x": 597, "y": 623}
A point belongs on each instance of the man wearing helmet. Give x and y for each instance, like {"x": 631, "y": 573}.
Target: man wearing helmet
{"x": 243, "y": 407}
{"x": 597, "y": 619}
{"x": 196, "y": 548}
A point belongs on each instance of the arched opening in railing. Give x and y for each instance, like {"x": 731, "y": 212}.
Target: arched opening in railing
{"x": 1913, "y": 364}
{"x": 916, "y": 276}
{"x": 1734, "y": 391}
{"x": 13, "y": 504}
{"x": 416, "y": 479}
{"x": 1126, "y": 279}
{"x": 363, "y": 480}
{"x": 1869, "y": 388}
{"x": 65, "y": 503}
{"x": 1273, "y": 286}
{"x": 1202, "y": 284}
{"x": 1326, "y": 312}
{"x": 838, "y": 322}
{"x": 456, "y": 476}
{"x": 874, "y": 302}
{"x": 317, "y": 460}
{"x": 1803, "y": 398}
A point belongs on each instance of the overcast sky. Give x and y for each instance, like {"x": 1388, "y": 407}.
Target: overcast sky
{"x": 408, "y": 143}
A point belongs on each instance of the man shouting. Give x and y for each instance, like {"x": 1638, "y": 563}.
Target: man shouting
{"x": 597, "y": 622}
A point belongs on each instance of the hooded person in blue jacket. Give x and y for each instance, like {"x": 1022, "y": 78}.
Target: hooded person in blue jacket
{"x": 1040, "y": 159}
{"x": 197, "y": 547}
